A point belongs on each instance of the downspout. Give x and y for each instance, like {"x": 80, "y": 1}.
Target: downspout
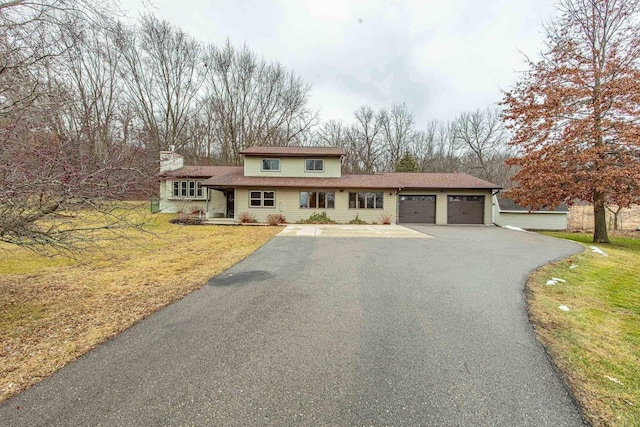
{"x": 494, "y": 192}
{"x": 206, "y": 214}
{"x": 398, "y": 205}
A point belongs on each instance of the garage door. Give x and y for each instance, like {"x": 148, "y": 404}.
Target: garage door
{"x": 417, "y": 209}
{"x": 465, "y": 210}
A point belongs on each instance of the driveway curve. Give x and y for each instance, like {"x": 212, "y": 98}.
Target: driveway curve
{"x": 333, "y": 331}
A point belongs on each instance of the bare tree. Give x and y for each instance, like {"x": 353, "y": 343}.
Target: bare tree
{"x": 397, "y": 131}
{"x": 331, "y": 134}
{"x": 436, "y": 149}
{"x": 365, "y": 140}
{"x": 483, "y": 136}
{"x": 97, "y": 114}
{"x": 44, "y": 179}
{"x": 33, "y": 34}
{"x": 253, "y": 102}
{"x": 164, "y": 73}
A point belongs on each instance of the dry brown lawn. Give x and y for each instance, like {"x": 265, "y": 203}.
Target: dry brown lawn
{"x": 56, "y": 309}
{"x": 581, "y": 218}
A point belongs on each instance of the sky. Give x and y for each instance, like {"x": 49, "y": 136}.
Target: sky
{"x": 440, "y": 57}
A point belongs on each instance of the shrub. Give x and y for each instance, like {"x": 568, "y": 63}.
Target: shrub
{"x": 247, "y": 218}
{"x": 317, "y": 218}
{"x": 386, "y": 218}
{"x": 276, "y": 219}
{"x": 357, "y": 220}
{"x": 185, "y": 218}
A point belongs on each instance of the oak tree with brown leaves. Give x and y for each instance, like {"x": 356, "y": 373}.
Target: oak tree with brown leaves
{"x": 575, "y": 114}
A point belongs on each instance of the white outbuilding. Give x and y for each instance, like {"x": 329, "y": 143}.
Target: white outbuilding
{"x": 506, "y": 212}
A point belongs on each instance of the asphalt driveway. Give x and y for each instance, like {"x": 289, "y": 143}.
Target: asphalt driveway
{"x": 332, "y": 331}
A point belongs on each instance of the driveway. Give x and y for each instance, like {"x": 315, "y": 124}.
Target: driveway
{"x": 333, "y": 331}
{"x": 389, "y": 231}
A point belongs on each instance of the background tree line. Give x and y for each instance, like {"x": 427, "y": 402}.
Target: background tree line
{"x": 97, "y": 85}
{"x": 87, "y": 101}
{"x": 389, "y": 140}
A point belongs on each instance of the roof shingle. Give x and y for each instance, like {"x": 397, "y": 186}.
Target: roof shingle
{"x": 201, "y": 171}
{"x": 384, "y": 180}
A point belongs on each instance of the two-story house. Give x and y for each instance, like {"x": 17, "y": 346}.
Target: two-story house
{"x": 298, "y": 181}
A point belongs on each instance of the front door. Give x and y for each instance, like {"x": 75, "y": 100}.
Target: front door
{"x": 230, "y": 203}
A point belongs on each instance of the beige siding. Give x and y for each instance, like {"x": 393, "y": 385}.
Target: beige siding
{"x": 293, "y": 167}
{"x": 533, "y": 221}
{"x": 217, "y": 201}
{"x": 288, "y": 204}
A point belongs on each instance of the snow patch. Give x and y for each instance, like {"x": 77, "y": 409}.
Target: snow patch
{"x": 613, "y": 380}
{"x": 598, "y": 250}
{"x": 511, "y": 227}
{"x": 563, "y": 308}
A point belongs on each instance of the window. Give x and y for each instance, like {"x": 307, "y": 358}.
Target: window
{"x": 271, "y": 165}
{"x": 187, "y": 190}
{"x": 262, "y": 199}
{"x": 367, "y": 200}
{"x": 318, "y": 199}
{"x": 455, "y": 198}
{"x": 418, "y": 198}
{"x": 314, "y": 165}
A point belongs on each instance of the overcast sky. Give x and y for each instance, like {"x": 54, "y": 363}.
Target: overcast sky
{"x": 440, "y": 57}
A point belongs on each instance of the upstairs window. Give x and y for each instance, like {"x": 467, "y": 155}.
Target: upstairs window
{"x": 314, "y": 165}
{"x": 271, "y": 165}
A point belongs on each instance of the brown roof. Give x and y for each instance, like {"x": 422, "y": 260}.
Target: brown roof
{"x": 385, "y": 180}
{"x": 437, "y": 180}
{"x": 201, "y": 171}
{"x": 509, "y": 205}
{"x": 294, "y": 151}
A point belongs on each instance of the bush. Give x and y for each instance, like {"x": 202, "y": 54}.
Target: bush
{"x": 317, "y": 218}
{"x": 247, "y": 218}
{"x": 185, "y": 218}
{"x": 276, "y": 219}
{"x": 386, "y": 218}
{"x": 357, "y": 220}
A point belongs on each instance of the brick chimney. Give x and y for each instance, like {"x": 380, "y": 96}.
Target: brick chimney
{"x": 170, "y": 160}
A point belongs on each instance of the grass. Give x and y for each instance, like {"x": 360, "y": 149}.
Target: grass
{"x": 596, "y": 344}
{"x": 56, "y": 309}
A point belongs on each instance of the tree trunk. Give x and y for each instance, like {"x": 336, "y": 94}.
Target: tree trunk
{"x": 599, "y": 216}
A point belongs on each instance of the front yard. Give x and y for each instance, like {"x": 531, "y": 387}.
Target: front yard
{"x": 590, "y": 323}
{"x": 56, "y": 309}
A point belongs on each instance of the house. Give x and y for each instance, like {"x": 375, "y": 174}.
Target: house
{"x": 298, "y": 181}
{"x": 506, "y": 212}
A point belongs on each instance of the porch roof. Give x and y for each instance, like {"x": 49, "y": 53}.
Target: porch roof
{"x": 200, "y": 171}
{"x": 236, "y": 178}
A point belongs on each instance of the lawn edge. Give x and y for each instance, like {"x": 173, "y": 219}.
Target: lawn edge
{"x": 565, "y": 379}
{"x": 6, "y": 400}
